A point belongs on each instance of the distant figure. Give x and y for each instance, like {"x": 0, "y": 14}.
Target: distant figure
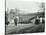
{"x": 37, "y": 17}
{"x": 7, "y": 23}
{"x": 41, "y": 19}
{"x": 15, "y": 21}
{"x": 37, "y": 21}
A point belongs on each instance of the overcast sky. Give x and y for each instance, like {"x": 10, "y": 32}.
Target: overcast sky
{"x": 26, "y": 6}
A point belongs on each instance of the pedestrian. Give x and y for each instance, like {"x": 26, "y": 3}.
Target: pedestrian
{"x": 41, "y": 19}
{"x": 15, "y": 21}
{"x": 37, "y": 20}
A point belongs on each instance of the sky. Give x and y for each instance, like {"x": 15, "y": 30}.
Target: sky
{"x": 26, "y": 6}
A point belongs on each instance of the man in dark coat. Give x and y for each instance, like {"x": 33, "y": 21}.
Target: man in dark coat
{"x": 15, "y": 21}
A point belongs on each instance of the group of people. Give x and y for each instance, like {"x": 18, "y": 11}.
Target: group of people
{"x": 39, "y": 20}
{"x": 13, "y": 21}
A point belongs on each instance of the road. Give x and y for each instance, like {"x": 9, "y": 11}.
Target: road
{"x": 21, "y": 28}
